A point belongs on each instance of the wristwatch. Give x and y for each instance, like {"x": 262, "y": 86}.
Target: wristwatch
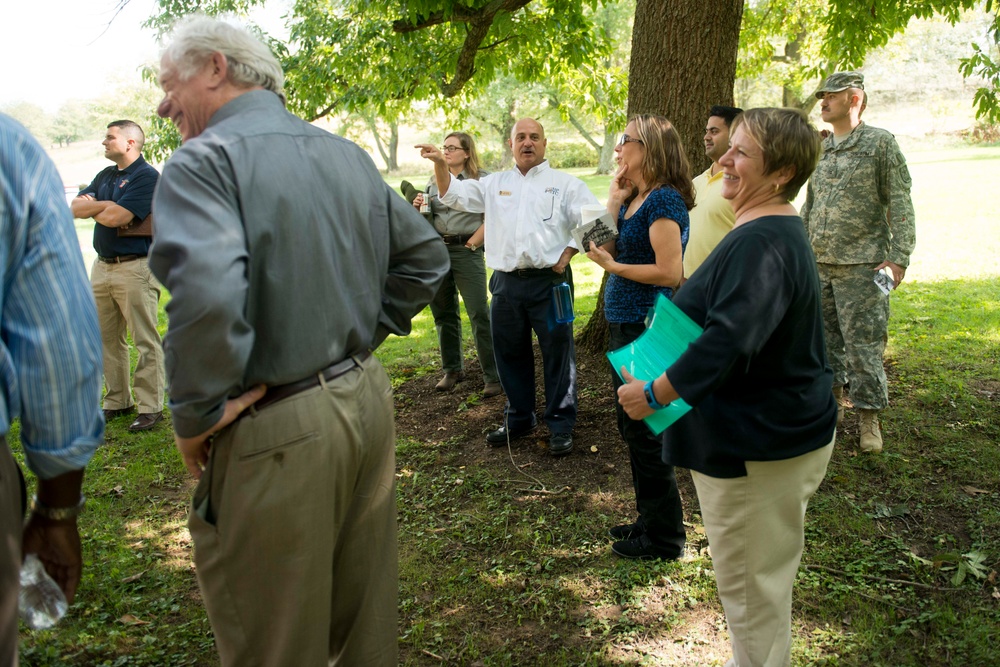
{"x": 651, "y": 397}
{"x": 57, "y": 513}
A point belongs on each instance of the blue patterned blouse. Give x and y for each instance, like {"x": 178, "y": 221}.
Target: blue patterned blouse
{"x": 626, "y": 300}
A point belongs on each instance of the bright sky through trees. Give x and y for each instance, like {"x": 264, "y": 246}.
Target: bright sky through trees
{"x": 52, "y": 51}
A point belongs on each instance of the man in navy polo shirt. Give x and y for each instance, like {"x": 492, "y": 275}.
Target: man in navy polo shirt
{"x": 126, "y": 293}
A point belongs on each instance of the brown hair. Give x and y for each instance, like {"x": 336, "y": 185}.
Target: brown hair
{"x": 786, "y": 139}
{"x": 469, "y": 146}
{"x": 664, "y": 162}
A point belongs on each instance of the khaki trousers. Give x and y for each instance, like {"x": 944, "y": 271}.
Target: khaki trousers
{"x": 294, "y": 528}
{"x": 755, "y": 530}
{"x": 11, "y": 530}
{"x": 128, "y": 297}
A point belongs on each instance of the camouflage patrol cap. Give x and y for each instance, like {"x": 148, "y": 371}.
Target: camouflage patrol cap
{"x": 839, "y": 81}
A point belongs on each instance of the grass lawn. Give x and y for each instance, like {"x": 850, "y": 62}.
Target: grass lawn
{"x": 901, "y": 549}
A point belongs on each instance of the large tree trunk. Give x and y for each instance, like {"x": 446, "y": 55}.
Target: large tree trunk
{"x": 683, "y": 61}
{"x": 606, "y": 163}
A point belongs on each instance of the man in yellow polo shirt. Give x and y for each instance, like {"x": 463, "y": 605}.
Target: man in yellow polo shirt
{"x": 712, "y": 216}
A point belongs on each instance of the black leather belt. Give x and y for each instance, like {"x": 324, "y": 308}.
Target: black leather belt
{"x": 530, "y": 273}
{"x": 456, "y": 239}
{"x": 119, "y": 259}
{"x": 283, "y": 391}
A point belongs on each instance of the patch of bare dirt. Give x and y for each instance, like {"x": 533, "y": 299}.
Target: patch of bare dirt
{"x": 599, "y": 461}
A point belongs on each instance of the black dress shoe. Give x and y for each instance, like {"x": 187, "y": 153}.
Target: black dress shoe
{"x": 641, "y": 548}
{"x": 113, "y": 414}
{"x": 146, "y": 421}
{"x": 560, "y": 444}
{"x": 501, "y": 435}
{"x": 628, "y": 531}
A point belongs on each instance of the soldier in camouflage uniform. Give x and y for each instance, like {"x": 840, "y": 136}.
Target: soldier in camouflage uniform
{"x": 859, "y": 218}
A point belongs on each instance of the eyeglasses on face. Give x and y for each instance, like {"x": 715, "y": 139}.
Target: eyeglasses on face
{"x": 451, "y": 149}
{"x": 624, "y": 139}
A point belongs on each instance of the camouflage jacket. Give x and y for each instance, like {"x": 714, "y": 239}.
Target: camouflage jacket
{"x": 858, "y": 208}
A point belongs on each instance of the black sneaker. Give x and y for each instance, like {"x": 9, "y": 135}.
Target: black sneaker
{"x": 501, "y": 435}
{"x": 640, "y": 548}
{"x": 628, "y": 531}
{"x": 560, "y": 444}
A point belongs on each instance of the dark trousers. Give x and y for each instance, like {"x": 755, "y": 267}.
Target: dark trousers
{"x": 522, "y": 303}
{"x": 656, "y": 496}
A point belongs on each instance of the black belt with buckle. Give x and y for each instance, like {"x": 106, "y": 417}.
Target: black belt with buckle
{"x": 283, "y": 391}
{"x": 456, "y": 239}
{"x": 119, "y": 259}
{"x": 531, "y": 273}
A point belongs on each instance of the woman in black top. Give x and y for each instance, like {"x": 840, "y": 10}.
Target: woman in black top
{"x": 761, "y": 430}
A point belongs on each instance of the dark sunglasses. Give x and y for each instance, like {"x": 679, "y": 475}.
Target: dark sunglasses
{"x": 624, "y": 139}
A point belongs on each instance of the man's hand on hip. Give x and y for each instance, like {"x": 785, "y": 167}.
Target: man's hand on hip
{"x": 194, "y": 450}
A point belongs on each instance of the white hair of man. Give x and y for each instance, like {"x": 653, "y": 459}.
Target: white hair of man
{"x": 250, "y": 62}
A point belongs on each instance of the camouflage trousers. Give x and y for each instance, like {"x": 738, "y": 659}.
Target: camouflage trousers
{"x": 855, "y": 322}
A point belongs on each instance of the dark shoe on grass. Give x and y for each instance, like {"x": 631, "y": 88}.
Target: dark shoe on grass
{"x": 146, "y": 421}
{"x": 628, "y": 531}
{"x": 501, "y": 435}
{"x": 641, "y": 548}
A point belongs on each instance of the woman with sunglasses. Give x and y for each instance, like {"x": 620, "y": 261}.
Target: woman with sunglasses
{"x": 463, "y": 234}
{"x": 650, "y": 195}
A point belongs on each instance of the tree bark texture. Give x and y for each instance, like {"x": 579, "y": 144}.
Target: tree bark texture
{"x": 683, "y": 61}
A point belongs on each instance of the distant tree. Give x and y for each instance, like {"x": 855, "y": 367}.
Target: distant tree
{"x": 73, "y": 121}
{"x": 33, "y": 117}
{"x": 594, "y": 95}
{"x": 131, "y": 100}
{"x": 386, "y": 137}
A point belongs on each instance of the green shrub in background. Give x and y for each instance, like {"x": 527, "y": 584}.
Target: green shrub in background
{"x": 561, "y": 155}
{"x": 570, "y": 155}
{"x": 492, "y": 159}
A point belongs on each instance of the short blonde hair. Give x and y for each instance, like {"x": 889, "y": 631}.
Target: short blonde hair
{"x": 786, "y": 139}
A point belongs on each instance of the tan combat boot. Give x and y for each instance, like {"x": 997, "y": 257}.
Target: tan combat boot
{"x": 871, "y": 434}
{"x": 838, "y": 393}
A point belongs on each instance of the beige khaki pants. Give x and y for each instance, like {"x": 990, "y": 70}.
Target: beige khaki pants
{"x": 294, "y": 527}
{"x": 128, "y": 297}
{"x": 755, "y": 531}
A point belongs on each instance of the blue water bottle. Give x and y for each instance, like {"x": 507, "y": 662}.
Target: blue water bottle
{"x": 562, "y": 303}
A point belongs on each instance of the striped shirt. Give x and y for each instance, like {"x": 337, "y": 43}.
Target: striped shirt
{"x": 50, "y": 344}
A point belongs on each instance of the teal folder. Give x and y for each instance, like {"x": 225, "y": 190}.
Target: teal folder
{"x": 668, "y": 333}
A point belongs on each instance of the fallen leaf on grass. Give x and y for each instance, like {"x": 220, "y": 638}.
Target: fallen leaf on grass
{"x": 129, "y": 619}
{"x": 593, "y": 449}
{"x": 133, "y": 578}
{"x": 973, "y": 491}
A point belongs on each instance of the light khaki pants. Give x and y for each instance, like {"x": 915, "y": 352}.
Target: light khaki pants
{"x": 294, "y": 527}
{"x": 11, "y": 529}
{"x": 127, "y": 297}
{"x": 755, "y": 530}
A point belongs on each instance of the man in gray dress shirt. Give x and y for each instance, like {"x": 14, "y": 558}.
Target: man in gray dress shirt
{"x": 288, "y": 259}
